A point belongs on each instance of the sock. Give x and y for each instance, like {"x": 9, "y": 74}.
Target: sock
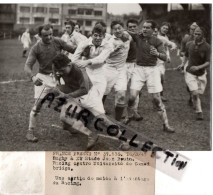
{"x": 119, "y": 109}
{"x": 104, "y": 98}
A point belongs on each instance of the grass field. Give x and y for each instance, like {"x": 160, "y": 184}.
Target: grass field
{"x": 17, "y": 100}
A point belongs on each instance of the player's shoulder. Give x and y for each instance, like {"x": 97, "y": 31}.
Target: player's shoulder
{"x": 35, "y": 47}
{"x": 75, "y": 69}
{"x": 207, "y": 45}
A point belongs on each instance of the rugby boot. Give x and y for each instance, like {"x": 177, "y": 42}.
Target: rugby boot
{"x": 124, "y": 146}
{"x": 137, "y": 116}
{"x": 168, "y": 128}
{"x": 92, "y": 139}
{"x": 199, "y": 116}
{"x": 30, "y": 137}
{"x": 127, "y": 120}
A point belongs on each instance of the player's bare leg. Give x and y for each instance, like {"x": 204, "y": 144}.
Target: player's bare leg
{"x": 33, "y": 121}
{"x": 197, "y": 104}
{"x": 131, "y": 103}
{"x": 162, "y": 112}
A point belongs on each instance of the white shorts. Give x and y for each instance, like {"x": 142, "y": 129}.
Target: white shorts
{"x": 48, "y": 83}
{"x": 161, "y": 66}
{"x": 196, "y": 83}
{"x": 97, "y": 77}
{"x": 130, "y": 69}
{"x": 149, "y": 75}
{"x": 116, "y": 78}
{"x": 93, "y": 101}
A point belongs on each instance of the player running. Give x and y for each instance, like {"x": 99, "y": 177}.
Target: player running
{"x": 149, "y": 48}
{"x": 187, "y": 38}
{"x": 97, "y": 51}
{"x": 132, "y": 26}
{"x": 198, "y": 55}
{"x": 162, "y": 35}
{"x": 115, "y": 68}
{"x": 43, "y": 51}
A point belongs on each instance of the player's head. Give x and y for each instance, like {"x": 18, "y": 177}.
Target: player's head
{"x": 155, "y": 32}
{"x": 132, "y": 25}
{"x": 117, "y": 28}
{"x": 148, "y": 28}
{"x": 46, "y": 33}
{"x": 69, "y": 26}
{"x": 164, "y": 28}
{"x": 103, "y": 24}
{"x": 61, "y": 64}
{"x": 98, "y": 34}
{"x": 199, "y": 34}
{"x": 77, "y": 27}
{"x": 192, "y": 28}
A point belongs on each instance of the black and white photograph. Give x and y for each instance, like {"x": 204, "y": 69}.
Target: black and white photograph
{"x": 138, "y": 69}
{"x": 82, "y": 80}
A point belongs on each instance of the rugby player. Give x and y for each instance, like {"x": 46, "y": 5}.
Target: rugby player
{"x": 132, "y": 26}
{"x": 77, "y": 85}
{"x": 43, "y": 51}
{"x": 115, "y": 68}
{"x": 71, "y": 36}
{"x": 149, "y": 48}
{"x": 187, "y": 38}
{"x": 162, "y": 35}
{"x": 198, "y": 54}
{"x": 98, "y": 51}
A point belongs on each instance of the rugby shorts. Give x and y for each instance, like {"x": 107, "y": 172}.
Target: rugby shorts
{"x": 130, "y": 68}
{"x": 161, "y": 67}
{"x": 149, "y": 75}
{"x": 196, "y": 83}
{"x": 48, "y": 83}
{"x": 116, "y": 78}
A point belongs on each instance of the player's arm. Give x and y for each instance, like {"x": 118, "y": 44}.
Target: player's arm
{"x": 133, "y": 35}
{"x": 171, "y": 45}
{"x": 67, "y": 47}
{"x": 185, "y": 57}
{"x": 159, "y": 52}
{"x": 79, "y": 51}
{"x": 28, "y": 68}
{"x": 101, "y": 58}
{"x": 31, "y": 60}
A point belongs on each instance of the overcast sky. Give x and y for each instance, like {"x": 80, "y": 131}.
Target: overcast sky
{"x": 123, "y": 8}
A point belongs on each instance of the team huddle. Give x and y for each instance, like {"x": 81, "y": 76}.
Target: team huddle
{"x": 88, "y": 69}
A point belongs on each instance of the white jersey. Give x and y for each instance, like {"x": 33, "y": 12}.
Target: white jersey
{"x": 118, "y": 58}
{"x": 166, "y": 43}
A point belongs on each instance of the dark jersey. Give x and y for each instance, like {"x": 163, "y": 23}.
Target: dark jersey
{"x": 77, "y": 82}
{"x": 143, "y": 45}
{"x": 198, "y": 55}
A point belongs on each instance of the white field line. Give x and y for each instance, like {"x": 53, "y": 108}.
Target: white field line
{"x": 12, "y": 81}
